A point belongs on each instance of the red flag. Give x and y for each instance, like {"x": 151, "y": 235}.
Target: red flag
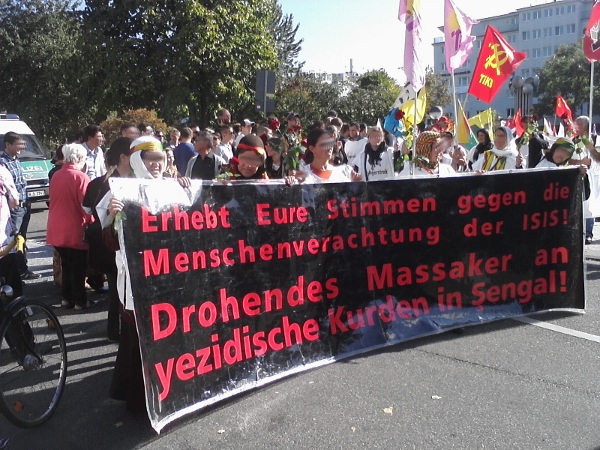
{"x": 562, "y": 109}
{"x": 591, "y": 38}
{"x": 519, "y": 123}
{"x": 496, "y": 62}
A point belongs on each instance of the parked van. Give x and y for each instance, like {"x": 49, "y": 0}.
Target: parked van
{"x": 33, "y": 158}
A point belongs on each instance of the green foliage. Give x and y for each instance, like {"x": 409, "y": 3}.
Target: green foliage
{"x": 567, "y": 74}
{"x": 284, "y": 31}
{"x": 43, "y": 79}
{"x": 112, "y": 125}
{"x": 439, "y": 90}
{"x": 170, "y": 55}
{"x": 370, "y": 98}
{"x": 308, "y": 95}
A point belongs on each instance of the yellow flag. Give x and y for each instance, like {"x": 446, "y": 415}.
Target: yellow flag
{"x": 483, "y": 119}
{"x": 464, "y": 131}
{"x": 409, "y": 109}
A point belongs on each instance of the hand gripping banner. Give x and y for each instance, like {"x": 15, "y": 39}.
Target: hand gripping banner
{"x": 253, "y": 282}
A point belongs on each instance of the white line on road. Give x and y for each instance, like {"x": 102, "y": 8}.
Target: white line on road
{"x": 559, "y": 329}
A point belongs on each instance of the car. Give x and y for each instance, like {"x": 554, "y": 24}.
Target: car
{"x": 34, "y": 159}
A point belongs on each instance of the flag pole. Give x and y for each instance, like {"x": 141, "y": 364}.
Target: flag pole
{"x": 591, "y": 99}
{"x": 455, "y": 110}
{"x": 414, "y": 132}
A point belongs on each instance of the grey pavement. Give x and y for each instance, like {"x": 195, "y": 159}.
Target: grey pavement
{"x": 505, "y": 385}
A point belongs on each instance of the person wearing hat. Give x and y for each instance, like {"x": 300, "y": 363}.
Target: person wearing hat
{"x": 249, "y": 164}
{"x": 245, "y": 130}
{"x": 430, "y": 146}
{"x": 293, "y": 123}
{"x": 148, "y": 161}
{"x": 560, "y": 154}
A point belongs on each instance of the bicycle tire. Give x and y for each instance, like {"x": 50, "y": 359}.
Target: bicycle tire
{"x": 33, "y": 364}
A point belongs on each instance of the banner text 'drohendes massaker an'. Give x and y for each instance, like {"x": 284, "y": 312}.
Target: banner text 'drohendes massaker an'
{"x": 252, "y": 282}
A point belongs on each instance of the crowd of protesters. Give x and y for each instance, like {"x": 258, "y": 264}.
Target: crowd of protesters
{"x": 82, "y": 224}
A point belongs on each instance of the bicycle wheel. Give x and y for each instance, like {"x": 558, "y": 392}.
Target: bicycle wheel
{"x": 33, "y": 364}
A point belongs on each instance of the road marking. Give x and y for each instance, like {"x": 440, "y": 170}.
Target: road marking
{"x": 559, "y": 329}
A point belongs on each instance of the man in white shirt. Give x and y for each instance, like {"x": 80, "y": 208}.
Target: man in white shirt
{"x": 92, "y": 134}
{"x": 246, "y": 129}
{"x": 355, "y": 144}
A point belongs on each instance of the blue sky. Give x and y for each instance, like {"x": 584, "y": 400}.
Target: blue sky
{"x": 368, "y": 31}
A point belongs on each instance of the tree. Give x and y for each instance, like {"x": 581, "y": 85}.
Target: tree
{"x": 567, "y": 73}
{"x": 168, "y": 55}
{"x": 288, "y": 48}
{"x": 438, "y": 89}
{"x": 370, "y": 98}
{"x": 112, "y": 125}
{"x": 307, "y": 94}
{"x": 42, "y": 78}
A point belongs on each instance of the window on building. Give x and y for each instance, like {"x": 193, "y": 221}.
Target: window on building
{"x": 536, "y": 34}
{"x": 571, "y": 28}
{"x": 525, "y": 73}
{"x": 526, "y": 35}
{"x": 547, "y": 51}
{"x": 443, "y": 49}
{"x": 536, "y": 53}
{"x": 548, "y": 12}
{"x": 510, "y": 112}
{"x": 443, "y": 66}
{"x": 536, "y": 15}
{"x": 558, "y": 30}
{"x": 560, "y": 10}
{"x": 547, "y": 31}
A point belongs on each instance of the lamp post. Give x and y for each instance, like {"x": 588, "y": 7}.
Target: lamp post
{"x": 524, "y": 89}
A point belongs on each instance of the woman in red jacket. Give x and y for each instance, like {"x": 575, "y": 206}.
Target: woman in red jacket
{"x": 66, "y": 223}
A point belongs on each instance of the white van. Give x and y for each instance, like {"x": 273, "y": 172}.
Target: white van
{"x": 34, "y": 159}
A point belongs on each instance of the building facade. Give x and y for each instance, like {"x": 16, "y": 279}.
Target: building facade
{"x": 536, "y": 30}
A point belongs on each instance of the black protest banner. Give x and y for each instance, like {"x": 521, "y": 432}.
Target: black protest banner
{"x": 254, "y": 282}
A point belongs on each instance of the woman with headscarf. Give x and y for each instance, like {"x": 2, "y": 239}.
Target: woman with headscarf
{"x": 376, "y": 160}
{"x": 147, "y": 161}
{"x": 430, "y": 147}
{"x": 560, "y": 154}
{"x": 503, "y": 156}
{"x": 484, "y": 143}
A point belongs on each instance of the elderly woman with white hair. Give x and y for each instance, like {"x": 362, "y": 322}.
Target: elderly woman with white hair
{"x": 66, "y": 223}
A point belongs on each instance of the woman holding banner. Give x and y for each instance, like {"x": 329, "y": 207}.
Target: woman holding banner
{"x": 317, "y": 168}
{"x": 376, "y": 160}
{"x": 503, "y": 156}
{"x": 430, "y": 147}
{"x": 148, "y": 161}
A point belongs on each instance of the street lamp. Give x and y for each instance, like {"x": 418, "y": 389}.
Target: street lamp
{"x": 524, "y": 89}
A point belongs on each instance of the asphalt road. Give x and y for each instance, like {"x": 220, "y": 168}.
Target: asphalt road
{"x": 506, "y": 385}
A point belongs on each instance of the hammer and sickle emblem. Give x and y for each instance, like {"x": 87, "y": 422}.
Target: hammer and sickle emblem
{"x": 494, "y": 60}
